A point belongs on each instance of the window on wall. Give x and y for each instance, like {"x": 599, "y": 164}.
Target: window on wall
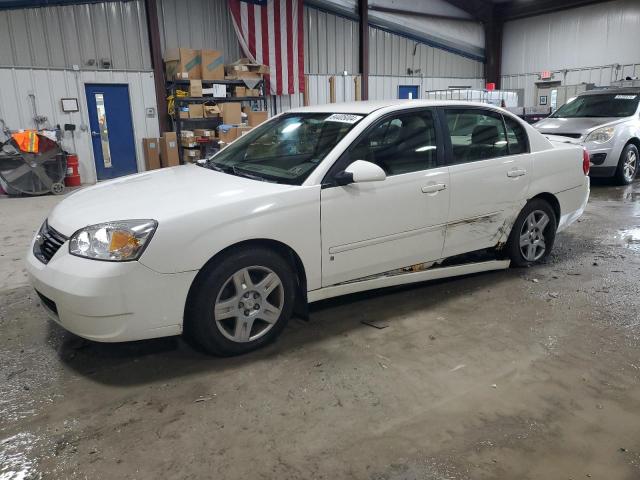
{"x": 400, "y": 144}
{"x": 476, "y": 134}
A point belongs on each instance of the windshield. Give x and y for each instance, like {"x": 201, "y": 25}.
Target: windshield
{"x": 284, "y": 150}
{"x": 613, "y": 105}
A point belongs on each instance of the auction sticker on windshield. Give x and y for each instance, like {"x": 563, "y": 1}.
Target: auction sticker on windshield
{"x": 343, "y": 118}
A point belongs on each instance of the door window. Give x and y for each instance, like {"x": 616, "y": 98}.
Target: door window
{"x": 516, "y": 136}
{"x": 476, "y": 134}
{"x": 400, "y": 144}
{"x": 101, "y": 111}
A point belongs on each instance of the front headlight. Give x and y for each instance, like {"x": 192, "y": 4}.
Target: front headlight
{"x": 113, "y": 241}
{"x": 601, "y": 135}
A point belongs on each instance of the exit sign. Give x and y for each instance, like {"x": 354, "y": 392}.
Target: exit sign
{"x": 545, "y": 75}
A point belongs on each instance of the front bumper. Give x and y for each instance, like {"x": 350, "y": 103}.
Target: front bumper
{"x": 109, "y": 301}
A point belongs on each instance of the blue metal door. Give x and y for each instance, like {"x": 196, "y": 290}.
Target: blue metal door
{"x": 114, "y": 148}
{"x": 408, "y": 91}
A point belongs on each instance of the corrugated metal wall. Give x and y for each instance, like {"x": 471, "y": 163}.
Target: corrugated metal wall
{"x": 331, "y": 43}
{"x": 585, "y": 42}
{"x": 49, "y": 86}
{"x": 392, "y": 54}
{"x": 82, "y": 35}
{"x": 198, "y": 24}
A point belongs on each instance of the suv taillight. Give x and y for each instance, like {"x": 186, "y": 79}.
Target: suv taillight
{"x": 586, "y": 161}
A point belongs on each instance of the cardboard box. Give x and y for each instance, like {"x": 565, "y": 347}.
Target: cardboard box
{"x": 218, "y": 91}
{"x": 190, "y": 156}
{"x": 195, "y": 88}
{"x": 211, "y": 111}
{"x": 228, "y": 136}
{"x": 253, "y": 92}
{"x": 243, "y": 68}
{"x": 212, "y": 65}
{"x": 187, "y": 133}
{"x": 189, "y": 143}
{"x": 241, "y": 91}
{"x": 196, "y": 110}
{"x": 204, "y": 133}
{"x": 256, "y": 118}
{"x": 243, "y": 130}
{"x": 231, "y": 113}
{"x": 181, "y": 61}
{"x": 151, "y": 148}
{"x": 169, "y": 150}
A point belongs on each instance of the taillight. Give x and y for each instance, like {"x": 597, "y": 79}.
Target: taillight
{"x": 586, "y": 161}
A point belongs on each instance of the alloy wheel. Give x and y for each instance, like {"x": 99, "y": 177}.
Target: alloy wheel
{"x": 532, "y": 239}
{"x": 249, "y": 304}
{"x": 630, "y": 165}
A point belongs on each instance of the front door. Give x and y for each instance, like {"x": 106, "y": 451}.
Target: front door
{"x": 114, "y": 149}
{"x": 370, "y": 228}
{"x": 490, "y": 171}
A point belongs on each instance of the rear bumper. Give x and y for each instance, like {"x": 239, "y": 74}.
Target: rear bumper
{"x": 598, "y": 172}
{"x": 572, "y": 203}
{"x": 109, "y": 301}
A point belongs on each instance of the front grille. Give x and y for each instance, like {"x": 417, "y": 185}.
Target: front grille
{"x": 48, "y": 303}
{"x": 598, "y": 158}
{"x": 48, "y": 242}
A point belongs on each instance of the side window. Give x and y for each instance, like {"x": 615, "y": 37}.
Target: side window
{"x": 402, "y": 144}
{"x": 516, "y": 136}
{"x": 476, "y": 134}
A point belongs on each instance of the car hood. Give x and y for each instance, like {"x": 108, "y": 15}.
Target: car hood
{"x": 160, "y": 195}
{"x": 579, "y": 125}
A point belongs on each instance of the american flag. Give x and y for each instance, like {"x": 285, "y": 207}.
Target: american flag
{"x": 271, "y": 33}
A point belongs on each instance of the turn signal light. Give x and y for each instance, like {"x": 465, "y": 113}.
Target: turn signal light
{"x": 586, "y": 161}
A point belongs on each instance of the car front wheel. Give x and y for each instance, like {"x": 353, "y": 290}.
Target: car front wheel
{"x": 241, "y": 302}
{"x": 533, "y": 234}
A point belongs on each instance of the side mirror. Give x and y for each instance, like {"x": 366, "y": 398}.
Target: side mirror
{"x": 360, "y": 171}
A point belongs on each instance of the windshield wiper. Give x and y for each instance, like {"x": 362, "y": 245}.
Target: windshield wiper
{"x": 244, "y": 173}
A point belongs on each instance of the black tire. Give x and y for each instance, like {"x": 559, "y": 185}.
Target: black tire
{"x": 622, "y": 177}
{"x": 201, "y": 324}
{"x": 513, "y": 248}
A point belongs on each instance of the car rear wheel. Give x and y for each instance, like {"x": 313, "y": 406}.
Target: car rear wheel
{"x": 533, "y": 234}
{"x": 241, "y": 302}
{"x": 627, "y": 165}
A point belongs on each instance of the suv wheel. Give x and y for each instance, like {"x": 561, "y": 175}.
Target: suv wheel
{"x": 627, "y": 165}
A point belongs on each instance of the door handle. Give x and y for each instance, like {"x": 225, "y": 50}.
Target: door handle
{"x": 516, "y": 172}
{"x": 95, "y": 134}
{"x": 435, "y": 188}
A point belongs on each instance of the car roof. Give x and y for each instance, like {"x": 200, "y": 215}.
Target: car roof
{"x": 612, "y": 91}
{"x": 368, "y": 106}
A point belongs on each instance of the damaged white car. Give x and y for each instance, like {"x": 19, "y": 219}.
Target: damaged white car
{"x": 315, "y": 203}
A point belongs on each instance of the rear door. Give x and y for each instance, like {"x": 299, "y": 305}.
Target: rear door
{"x": 370, "y": 228}
{"x": 490, "y": 171}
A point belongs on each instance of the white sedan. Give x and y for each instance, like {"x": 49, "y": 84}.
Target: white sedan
{"x": 317, "y": 202}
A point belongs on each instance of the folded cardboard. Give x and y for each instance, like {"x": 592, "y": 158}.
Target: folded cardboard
{"x": 195, "y": 88}
{"x": 231, "y": 113}
{"x": 151, "y": 148}
{"x": 256, "y": 118}
{"x": 196, "y": 110}
{"x": 169, "y": 150}
{"x": 212, "y": 65}
{"x": 211, "y": 111}
{"x": 182, "y": 63}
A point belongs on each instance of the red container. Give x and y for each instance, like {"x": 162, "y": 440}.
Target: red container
{"x": 491, "y": 86}
{"x": 72, "y": 179}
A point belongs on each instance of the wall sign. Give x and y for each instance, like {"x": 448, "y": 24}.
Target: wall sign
{"x": 69, "y": 104}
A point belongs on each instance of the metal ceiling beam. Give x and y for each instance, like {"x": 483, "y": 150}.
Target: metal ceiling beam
{"x": 514, "y": 10}
{"x": 481, "y": 10}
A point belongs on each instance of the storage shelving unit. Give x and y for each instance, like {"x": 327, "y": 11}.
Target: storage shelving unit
{"x": 180, "y": 124}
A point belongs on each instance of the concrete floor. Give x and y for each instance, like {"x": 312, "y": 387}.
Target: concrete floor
{"x": 518, "y": 374}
